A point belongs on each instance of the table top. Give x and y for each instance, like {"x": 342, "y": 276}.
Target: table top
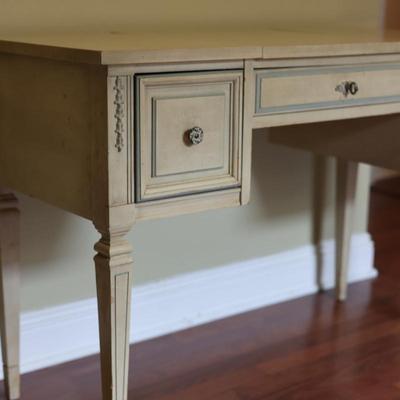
{"x": 186, "y": 45}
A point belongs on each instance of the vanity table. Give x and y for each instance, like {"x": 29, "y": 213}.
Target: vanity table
{"x": 123, "y": 127}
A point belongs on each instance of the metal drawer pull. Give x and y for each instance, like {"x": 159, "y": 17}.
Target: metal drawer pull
{"x": 196, "y": 135}
{"x": 347, "y": 88}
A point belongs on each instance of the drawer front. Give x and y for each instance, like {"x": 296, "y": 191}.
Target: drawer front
{"x": 306, "y": 89}
{"x": 188, "y": 133}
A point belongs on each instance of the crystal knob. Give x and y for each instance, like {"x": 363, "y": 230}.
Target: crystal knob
{"x": 347, "y": 88}
{"x": 196, "y": 135}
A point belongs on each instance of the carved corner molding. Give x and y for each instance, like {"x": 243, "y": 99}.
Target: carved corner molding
{"x": 119, "y": 115}
{"x": 120, "y": 131}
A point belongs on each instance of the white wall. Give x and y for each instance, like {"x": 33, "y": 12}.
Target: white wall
{"x": 26, "y": 15}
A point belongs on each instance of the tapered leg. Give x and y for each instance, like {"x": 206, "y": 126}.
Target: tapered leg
{"x": 319, "y": 197}
{"x": 9, "y": 292}
{"x": 346, "y": 181}
{"x": 114, "y": 278}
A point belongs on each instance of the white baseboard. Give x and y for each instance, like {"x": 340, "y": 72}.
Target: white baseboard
{"x": 69, "y": 332}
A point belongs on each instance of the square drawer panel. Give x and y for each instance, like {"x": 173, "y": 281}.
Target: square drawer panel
{"x": 317, "y": 88}
{"x": 188, "y": 133}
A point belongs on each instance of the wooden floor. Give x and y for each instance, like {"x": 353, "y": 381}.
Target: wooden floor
{"x": 306, "y": 349}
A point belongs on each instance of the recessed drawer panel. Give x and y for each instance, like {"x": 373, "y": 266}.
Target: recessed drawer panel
{"x": 188, "y": 133}
{"x": 306, "y": 89}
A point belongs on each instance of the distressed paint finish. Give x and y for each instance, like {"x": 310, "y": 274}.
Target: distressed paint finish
{"x": 81, "y": 157}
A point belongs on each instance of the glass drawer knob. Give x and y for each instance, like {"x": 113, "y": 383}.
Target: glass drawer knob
{"x": 196, "y": 135}
{"x": 347, "y": 88}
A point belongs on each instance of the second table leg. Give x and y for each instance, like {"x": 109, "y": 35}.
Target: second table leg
{"x": 346, "y": 182}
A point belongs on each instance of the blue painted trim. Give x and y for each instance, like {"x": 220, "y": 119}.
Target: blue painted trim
{"x": 331, "y": 104}
{"x": 321, "y": 105}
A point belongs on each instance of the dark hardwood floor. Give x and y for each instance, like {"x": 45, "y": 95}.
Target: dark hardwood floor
{"x": 307, "y": 349}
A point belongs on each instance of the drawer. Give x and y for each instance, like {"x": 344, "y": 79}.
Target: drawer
{"x": 188, "y": 133}
{"x": 316, "y": 88}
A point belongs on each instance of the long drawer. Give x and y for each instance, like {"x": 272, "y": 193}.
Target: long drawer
{"x": 289, "y": 90}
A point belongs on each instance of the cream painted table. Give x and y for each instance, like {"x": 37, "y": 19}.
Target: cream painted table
{"x": 119, "y": 128}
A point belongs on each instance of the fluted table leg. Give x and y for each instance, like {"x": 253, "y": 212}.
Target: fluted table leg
{"x": 114, "y": 280}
